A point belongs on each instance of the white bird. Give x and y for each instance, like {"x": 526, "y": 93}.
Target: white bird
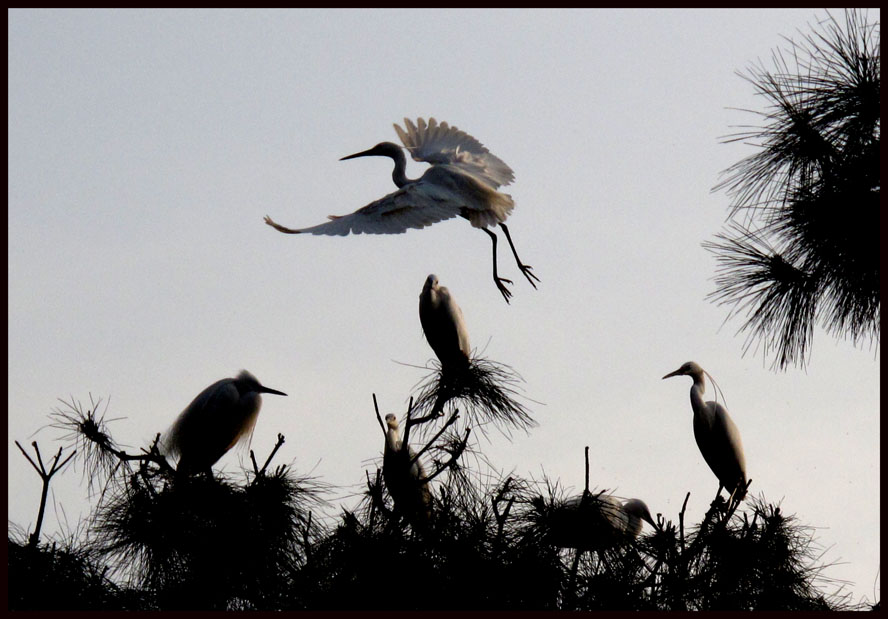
{"x": 404, "y": 479}
{"x": 717, "y": 436}
{"x": 218, "y": 418}
{"x": 463, "y": 180}
{"x": 443, "y": 324}
{"x": 598, "y": 523}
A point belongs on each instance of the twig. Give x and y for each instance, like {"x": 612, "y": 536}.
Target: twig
{"x": 277, "y": 445}
{"x": 46, "y": 477}
{"x": 408, "y": 423}
{"x": 416, "y": 456}
{"x": 457, "y": 453}
{"x": 501, "y": 518}
{"x": 681, "y": 520}
{"x": 587, "y": 469}
{"x": 378, "y": 418}
{"x": 305, "y": 539}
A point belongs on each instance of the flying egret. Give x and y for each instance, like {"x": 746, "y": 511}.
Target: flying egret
{"x": 462, "y": 180}
{"x": 218, "y": 418}
{"x": 481, "y": 384}
{"x": 598, "y": 522}
{"x": 404, "y": 476}
{"x": 717, "y": 436}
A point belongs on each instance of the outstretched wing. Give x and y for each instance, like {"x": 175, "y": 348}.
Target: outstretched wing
{"x": 441, "y": 143}
{"x": 416, "y": 205}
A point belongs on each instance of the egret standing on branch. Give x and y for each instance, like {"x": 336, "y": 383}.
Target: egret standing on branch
{"x": 220, "y": 416}
{"x": 443, "y": 324}
{"x": 463, "y": 180}
{"x": 717, "y": 436}
{"x": 481, "y": 384}
{"x": 405, "y": 477}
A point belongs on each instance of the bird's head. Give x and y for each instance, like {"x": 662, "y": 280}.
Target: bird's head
{"x": 638, "y": 508}
{"x": 246, "y": 382}
{"x": 430, "y": 282}
{"x": 383, "y": 149}
{"x": 391, "y": 421}
{"x": 687, "y": 369}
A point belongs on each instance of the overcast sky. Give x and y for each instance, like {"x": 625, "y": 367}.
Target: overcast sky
{"x": 145, "y": 147}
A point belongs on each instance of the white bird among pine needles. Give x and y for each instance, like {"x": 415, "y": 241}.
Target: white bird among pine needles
{"x": 462, "y": 181}
{"x": 597, "y": 522}
{"x": 482, "y": 386}
{"x": 444, "y": 326}
{"x": 220, "y": 416}
{"x": 405, "y": 477}
{"x": 717, "y": 436}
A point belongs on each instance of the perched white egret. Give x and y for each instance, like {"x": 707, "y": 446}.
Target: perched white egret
{"x": 482, "y": 385}
{"x": 717, "y": 436}
{"x": 599, "y": 522}
{"x": 405, "y": 477}
{"x": 443, "y": 324}
{"x": 218, "y": 418}
{"x": 463, "y": 180}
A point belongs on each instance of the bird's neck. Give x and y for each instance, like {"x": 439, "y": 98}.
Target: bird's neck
{"x": 393, "y": 440}
{"x": 697, "y": 390}
{"x": 399, "y": 174}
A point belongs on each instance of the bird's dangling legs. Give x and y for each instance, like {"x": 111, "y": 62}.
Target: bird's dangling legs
{"x": 499, "y": 281}
{"x": 526, "y": 269}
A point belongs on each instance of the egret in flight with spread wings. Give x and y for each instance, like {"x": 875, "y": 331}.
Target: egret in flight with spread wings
{"x": 717, "y": 436}
{"x": 220, "y": 416}
{"x": 482, "y": 385}
{"x": 463, "y": 180}
{"x": 597, "y": 522}
{"x": 405, "y": 477}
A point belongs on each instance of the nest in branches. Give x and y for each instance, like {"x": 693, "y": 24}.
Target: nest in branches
{"x": 483, "y": 390}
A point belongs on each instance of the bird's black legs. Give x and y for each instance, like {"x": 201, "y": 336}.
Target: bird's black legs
{"x": 499, "y": 281}
{"x": 526, "y": 269}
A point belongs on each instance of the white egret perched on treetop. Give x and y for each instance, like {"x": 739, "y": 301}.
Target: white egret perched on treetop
{"x": 717, "y": 436}
{"x": 481, "y": 384}
{"x": 597, "y": 522}
{"x": 220, "y": 416}
{"x": 443, "y": 324}
{"x": 463, "y": 180}
{"x": 405, "y": 477}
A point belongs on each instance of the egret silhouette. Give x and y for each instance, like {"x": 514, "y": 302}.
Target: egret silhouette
{"x": 597, "y": 522}
{"x": 220, "y": 416}
{"x": 482, "y": 385}
{"x": 463, "y": 180}
{"x": 405, "y": 477}
{"x": 444, "y": 327}
{"x": 717, "y": 436}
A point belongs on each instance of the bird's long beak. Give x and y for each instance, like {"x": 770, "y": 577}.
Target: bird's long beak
{"x": 263, "y": 389}
{"x": 363, "y": 153}
{"x": 675, "y": 373}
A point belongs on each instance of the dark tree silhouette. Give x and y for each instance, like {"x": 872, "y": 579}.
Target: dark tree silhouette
{"x": 162, "y": 541}
{"x": 803, "y": 244}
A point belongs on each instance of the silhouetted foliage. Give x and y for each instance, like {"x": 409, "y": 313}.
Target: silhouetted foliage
{"x": 50, "y": 577}
{"x": 806, "y": 250}
{"x": 159, "y": 540}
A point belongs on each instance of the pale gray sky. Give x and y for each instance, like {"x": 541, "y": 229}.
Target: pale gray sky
{"x": 146, "y": 146}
